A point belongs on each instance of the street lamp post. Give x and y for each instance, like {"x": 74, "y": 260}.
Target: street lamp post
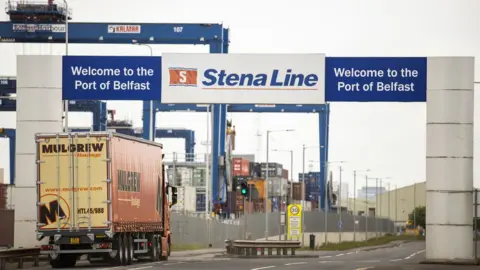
{"x": 65, "y": 104}
{"x": 339, "y": 200}
{"x": 152, "y": 126}
{"x": 291, "y": 172}
{"x": 267, "y": 178}
{"x": 355, "y": 202}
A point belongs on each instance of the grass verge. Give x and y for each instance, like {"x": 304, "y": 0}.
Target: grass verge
{"x": 187, "y": 247}
{"x": 370, "y": 243}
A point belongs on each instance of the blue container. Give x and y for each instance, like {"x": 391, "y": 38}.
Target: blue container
{"x": 201, "y": 203}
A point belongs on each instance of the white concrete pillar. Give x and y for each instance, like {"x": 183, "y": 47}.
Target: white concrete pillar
{"x": 449, "y": 159}
{"x": 39, "y": 109}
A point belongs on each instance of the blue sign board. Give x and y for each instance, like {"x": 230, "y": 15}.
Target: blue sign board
{"x": 376, "y": 79}
{"x": 111, "y": 78}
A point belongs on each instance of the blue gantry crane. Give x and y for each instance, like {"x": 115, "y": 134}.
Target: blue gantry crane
{"x": 127, "y": 128}
{"x": 33, "y": 22}
{"x": 8, "y": 104}
{"x": 323, "y": 120}
{"x": 99, "y": 115}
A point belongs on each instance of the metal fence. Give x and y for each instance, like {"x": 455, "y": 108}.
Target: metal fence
{"x": 192, "y": 230}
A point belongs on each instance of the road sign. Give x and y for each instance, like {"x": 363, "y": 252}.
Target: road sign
{"x": 243, "y": 78}
{"x": 111, "y": 78}
{"x": 381, "y": 79}
{"x": 294, "y": 221}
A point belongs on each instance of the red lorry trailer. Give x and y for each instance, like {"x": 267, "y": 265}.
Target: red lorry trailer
{"x": 103, "y": 194}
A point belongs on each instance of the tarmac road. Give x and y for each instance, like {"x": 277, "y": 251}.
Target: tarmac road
{"x": 391, "y": 258}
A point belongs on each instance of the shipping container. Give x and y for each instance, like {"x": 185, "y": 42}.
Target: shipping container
{"x": 241, "y": 167}
{"x": 3, "y": 196}
{"x": 103, "y": 184}
{"x": 298, "y": 192}
{"x": 231, "y": 202}
{"x": 277, "y": 186}
{"x": 274, "y": 169}
{"x": 201, "y": 202}
{"x": 255, "y": 169}
{"x": 260, "y": 185}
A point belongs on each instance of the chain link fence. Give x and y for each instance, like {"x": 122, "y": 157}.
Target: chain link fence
{"x": 201, "y": 232}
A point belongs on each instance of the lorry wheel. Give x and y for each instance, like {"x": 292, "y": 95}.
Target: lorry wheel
{"x": 153, "y": 252}
{"x": 117, "y": 255}
{"x": 163, "y": 258}
{"x": 169, "y": 247}
{"x": 127, "y": 241}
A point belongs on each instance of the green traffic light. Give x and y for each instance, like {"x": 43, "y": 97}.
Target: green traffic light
{"x": 244, "y": 191}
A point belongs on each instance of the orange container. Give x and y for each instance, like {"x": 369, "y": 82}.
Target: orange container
{"x": 241, "y": 167}
{"x": 260, "y": 185}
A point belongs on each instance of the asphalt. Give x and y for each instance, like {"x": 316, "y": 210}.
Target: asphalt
{"x": 395, "y": 256}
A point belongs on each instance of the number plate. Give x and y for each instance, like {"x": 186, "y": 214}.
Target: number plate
{"x": 74, "y": 240}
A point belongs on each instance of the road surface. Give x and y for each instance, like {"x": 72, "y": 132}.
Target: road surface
{"x": 385, "y": 258}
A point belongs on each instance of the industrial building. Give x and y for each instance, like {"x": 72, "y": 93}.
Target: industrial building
{"x": 394, "y": 204}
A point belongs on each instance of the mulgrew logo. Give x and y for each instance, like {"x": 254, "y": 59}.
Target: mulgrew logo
{"x": 79, "y": 147}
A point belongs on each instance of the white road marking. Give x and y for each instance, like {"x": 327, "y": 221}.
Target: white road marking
{"x": 108, "y": 268}
{"x": 330, "y": 261}
{"x": 295, "y": 263}
{"x": 396, "y": 260}
{"x": 351, "y": 253}
{"x": 265, "y": 267}
{"x": 338, "y": 255}
{"x": 364, "y": 268}
{"x": 143, "y": 267}
{"x": 321, "y": 257}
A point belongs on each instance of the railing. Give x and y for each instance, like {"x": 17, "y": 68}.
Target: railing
{"x": 252, "y": 248}
{"x": 19, "y": 255}
{"x": 185, "y": 157}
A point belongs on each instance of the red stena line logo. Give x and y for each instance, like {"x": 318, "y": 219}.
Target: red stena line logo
{"x": 180, "y": 76}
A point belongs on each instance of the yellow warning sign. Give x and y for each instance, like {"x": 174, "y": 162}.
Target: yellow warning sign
{"x": 294, "y": 221}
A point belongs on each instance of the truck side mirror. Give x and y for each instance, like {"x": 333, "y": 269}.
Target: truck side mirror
{"x": 172, "y": 195}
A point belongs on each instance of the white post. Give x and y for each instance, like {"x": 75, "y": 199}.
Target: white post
{"x": 366, "y": 208}
{"x": 207, "y": 167}
{"x": 291, "y": 177}
{"x": 266, "y": 189}
{"x": 450, "y": 135}
{"x": 340, "y": 205}
{"x": 325, "y": 209}
{"x": 152, "y": 123}
{"x": 304, "y": 194}
{"x": 354, "y": 206}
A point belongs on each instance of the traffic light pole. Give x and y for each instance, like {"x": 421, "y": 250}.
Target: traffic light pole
{"x": 246, "y": 191}
{"x": 245, "y": 215}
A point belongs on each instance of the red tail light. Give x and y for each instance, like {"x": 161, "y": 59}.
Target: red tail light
{"x": 47, "y": 247}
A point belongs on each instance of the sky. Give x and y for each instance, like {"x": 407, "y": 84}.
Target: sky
{"x": 386, "y": 138}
